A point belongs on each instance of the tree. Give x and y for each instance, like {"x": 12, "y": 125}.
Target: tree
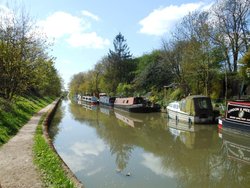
{"x": 244, "y": 72}
{"x": 119, "y": 64}
{"x": 172, "y": 54}
{"x": 77, "y": 84}
{"x": 192, "y": 55}
{"x": 231, "y": 29}
{"x": 23, "y": 57}
{"x": 152, "y": 72}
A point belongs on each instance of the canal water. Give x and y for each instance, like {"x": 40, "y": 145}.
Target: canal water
{"x": 107, "y": 148}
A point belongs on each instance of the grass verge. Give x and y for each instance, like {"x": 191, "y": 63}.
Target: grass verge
{"x": 14, "y": 114}
{"x": 48, "y": 162}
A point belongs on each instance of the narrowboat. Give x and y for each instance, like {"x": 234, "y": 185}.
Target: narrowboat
{"x": 195, "y": 109}
{"x": 135, "y": 104}
{"x": 107, "y": 100}
{"x": 90, "y": 99}
{"x": 237, "y": 115}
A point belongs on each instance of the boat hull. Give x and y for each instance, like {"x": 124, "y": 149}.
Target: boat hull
{"x": 237, "y": 115}
{"x": 184, "y": 117}
{"x": 136, "y": 108}
{"x": 235, "y": 125}
{"x": 135, "y": 104}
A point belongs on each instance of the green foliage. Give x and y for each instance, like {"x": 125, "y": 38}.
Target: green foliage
{"x": 77, "y": 84}
{"x": 25, "y": 66}
{"x": 14, "y": 114}
{"x": 177, "y": 94}
{"x": 155, "y": 72}
{"x": 245, "y": 62}
{"x": 124, "y": 89}
{"x": 48, "y": 162}
{"x": 119, "y": 64}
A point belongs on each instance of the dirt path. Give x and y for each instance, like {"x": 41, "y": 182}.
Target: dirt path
{"x": 16, "y": 159}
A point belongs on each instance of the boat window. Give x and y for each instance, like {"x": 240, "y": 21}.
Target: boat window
{"x": 138, "y": 100}
{"x": 183, "y": 105}
{"x": 202, "y": 103}
{"x": 127, "y": 101}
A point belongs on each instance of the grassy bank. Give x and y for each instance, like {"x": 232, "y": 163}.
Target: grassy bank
{"x": 14, "y": 114}
{"x": 48, "y": 162}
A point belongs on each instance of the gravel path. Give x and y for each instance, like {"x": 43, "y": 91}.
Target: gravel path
{"x": 16, "y": 158}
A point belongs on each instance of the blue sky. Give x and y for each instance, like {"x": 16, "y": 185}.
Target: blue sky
{"x": 82, "y": 31}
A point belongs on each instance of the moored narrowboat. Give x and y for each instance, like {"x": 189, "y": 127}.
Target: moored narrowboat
{"x": 107, "y": 100}
{"x": 193, "y": 109}
{"x": 135, "y": 104}
{"x": 237, "y": 115}
{"x": 90, "y": 99}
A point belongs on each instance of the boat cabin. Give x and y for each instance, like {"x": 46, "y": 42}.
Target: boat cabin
{"x": 197, "y": 105}
{"x": 129, "y": 101}
{"x": 237, "y": 115}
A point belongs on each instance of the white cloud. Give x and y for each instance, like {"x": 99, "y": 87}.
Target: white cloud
{"x": 61, "y": 23}
{"x": 87, "y": 40}
{"x": 89, "y": 14}
{"x": 5, "y": 10}
{"x": 6, "y": 15}
{"x": 162, "y": 20}
{"x": 73, "y": 29}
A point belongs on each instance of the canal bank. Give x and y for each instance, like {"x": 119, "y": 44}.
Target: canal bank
{"x": 57, "y": 173}
{"x": 16, "y": 156}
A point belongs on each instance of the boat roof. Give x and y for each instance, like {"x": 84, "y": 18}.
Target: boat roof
{"x": 196, "y": 96}
{"x": 240, "y": 102}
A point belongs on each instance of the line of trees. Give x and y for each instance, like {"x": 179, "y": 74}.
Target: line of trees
{"x": 25, "y": 65}
{"x": 206, "y": 53}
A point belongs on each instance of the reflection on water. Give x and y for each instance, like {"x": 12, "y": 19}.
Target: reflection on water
{"x": 191, "y": 135}
{"x": 127, "y": 119}
{"x": 236, "y": 145}
{"x": 111, "y": 148}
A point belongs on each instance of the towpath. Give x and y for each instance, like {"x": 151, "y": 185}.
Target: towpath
{"x": 16, "y": 158}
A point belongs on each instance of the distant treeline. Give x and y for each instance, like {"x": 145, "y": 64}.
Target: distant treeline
{"x": 25, "y": 65}
{"x": 207, "y": 53}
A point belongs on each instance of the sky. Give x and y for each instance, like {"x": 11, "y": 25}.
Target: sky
{"x": 82, "y": 31}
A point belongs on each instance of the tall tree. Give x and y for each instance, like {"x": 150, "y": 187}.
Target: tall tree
{"x": 192, "y": 56}
{"x": 77, "y": 84}
{"x": 231, "y": 29}
{"x": 119, "y": 64}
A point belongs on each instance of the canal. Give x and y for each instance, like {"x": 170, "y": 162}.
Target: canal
{"x": 108, "y": 148}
